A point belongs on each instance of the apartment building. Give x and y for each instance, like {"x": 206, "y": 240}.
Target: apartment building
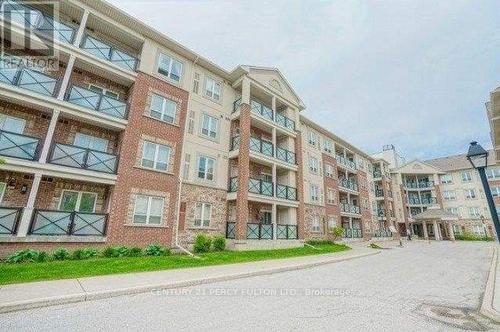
{"x": 134, "y": 139}
{"x": 493, "y": 114}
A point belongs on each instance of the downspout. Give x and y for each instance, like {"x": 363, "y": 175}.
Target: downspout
{"x": 179, "y": 179}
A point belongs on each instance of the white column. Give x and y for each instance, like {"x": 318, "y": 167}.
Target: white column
{"x": 49, "y": 136}
{"x": 350, "y": 222}
{"x": 30, "y": 205}
{"x": 275, "y": 143}
{"x": 450, "y": 231}
{"x": 273, "y": 103}
{"x": 66, "y": 77}
{"x": 436, "y": 231}
{"x": 245, "y": 91}
{"x": 275, "y": 221}
{"x": 81, "y": 28}
{"x": 424, "y": 226}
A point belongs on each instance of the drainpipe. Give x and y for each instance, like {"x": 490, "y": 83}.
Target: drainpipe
{"x": 179, "y": 179}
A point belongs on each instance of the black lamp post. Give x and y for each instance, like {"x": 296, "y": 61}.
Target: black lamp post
{"x": 478, "y": 157}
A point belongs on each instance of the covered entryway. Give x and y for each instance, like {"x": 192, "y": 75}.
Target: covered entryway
{"x": 434, "y": 223}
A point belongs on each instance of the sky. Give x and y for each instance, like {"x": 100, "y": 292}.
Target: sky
{"x": 415, "y": 74}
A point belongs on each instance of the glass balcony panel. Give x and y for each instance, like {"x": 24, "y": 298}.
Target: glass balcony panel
{"x": 51, "y": 223}
{"x": 18, "y": 146}
{"x": 267, "y": 148}
{"x": 267, "y": 188}
{"x": 9, "y": 217}
{"x": 96, "y": 47}
{"x": 254, "y": 186}
{"x": 101, "y": 162}
{"x": 253, "y": 231}
{"x": 37, "y": 82}
{"x": 89, "y": 224}
{"x": 123, "y": 60}
{"x": 83, "y": 97}
{"x": 68, "y": 155}
{"x": 113, "y": 107}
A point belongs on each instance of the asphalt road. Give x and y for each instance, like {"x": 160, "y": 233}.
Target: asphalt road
{"x": 421, "y": 287}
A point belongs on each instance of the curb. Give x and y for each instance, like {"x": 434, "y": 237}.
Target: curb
{"x": 89, "y": 296}
{"x": 489, "y": 292}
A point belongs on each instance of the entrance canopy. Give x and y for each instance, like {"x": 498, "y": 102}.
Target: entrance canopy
{"x": 435, "y": 214}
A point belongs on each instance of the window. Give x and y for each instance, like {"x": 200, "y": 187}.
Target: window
{"x": 104, "y": 92}
{"x": 169, "y": 67}
{"x": 163, "y": 109}
{"x": 466, "y": 176}
{"x": 453, "y": 210}
{"x": 330, "y": 197}
{"x": 474, "y": 212}
{"x": 212, "y": 89}
{"x": 329, "y": 170}
{"x": 187, "y": 166}
{"x": 313, "y": 138}
{"x": 202, "y": 214}
{"x": 327, "y": 146}
{"x": 470, "y": 193}
{"x": 449, "y": 195}
{"x": 78, "y": 201}
{"x": 148, "y": 210}
{"x": 315, "y": 225}
{"x": 479, "y": 230}
{"x": 493, "y": 173}
{"x": 90, "y": 142}
{"x": 456, "y": 229}
{"x": 313, "y": 164}
{"x": 332, "y": 222}
{"x": 495, "y": 191}
{"x": 206, "y": 166}
{"x": 314, "y": 190}
{"x": 155, "y": 156}
{"x": 196, "y": 82}
{"x": 12, "y": 124}
{"x": 209, "y": 126}
{"x": 446, "y": 178}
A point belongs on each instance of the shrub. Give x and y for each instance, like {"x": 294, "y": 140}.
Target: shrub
{"x": 156, "y": 250}
{"x": 318, "y": 242}
{"x": 90, "y": 253}
{"x": 42, "y": 257}
{"x": 472, "y": 237}
{"x": 202, "y": 243}
{"x": 22, "y": 256}
{"x": 122, "y": 251}
{"x": 135, "y": 252}
{"x": 60, "y": 254}
{"x": 336, "y": 232}
{"x": 375, "y": 246}
{"x": 77, "y": 254}
{"x": 110, "y": 252}
{"x": 219, "y": 243}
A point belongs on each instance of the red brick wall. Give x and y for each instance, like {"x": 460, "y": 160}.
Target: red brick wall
{"x": 366, "y": 215}
{"x": 331, "y": 210}
{"x": 300, "y": 186}
{"x": 130, "y": 177}
{"x": 243, "y": 173}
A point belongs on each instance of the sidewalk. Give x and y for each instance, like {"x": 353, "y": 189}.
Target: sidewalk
{"x": 490, "y": 306}
{"x": 46, "y": 293}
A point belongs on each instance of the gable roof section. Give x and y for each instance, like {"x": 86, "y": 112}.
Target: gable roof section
{"x": 457, "y": 162}
{"x": 417, "y": 166}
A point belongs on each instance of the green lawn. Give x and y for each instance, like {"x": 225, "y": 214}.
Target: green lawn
{"x": 26, "y": 272}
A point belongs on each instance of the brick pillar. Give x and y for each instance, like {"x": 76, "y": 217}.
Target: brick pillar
{"x": 300, "y": 186}
{"x": 243, "y": 173}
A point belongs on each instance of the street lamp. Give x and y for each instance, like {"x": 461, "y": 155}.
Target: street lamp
{"x": 478, "y": 157}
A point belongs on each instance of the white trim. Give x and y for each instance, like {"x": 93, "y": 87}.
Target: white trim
{"x": 2, "y": 191}
{"x": 78, "y": 199}
{"x": 148, "y": 210}
{"x": 202, "y": 213}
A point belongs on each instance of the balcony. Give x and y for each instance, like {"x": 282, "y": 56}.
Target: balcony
{"x": 422, "y": 201}
{"x": 383, "y": 232}
{"x": 286, "y": 192}
{"x": 14, "y": 73}
{"x": 286, "y": 232}
{"x": 377, "y": 174}
{"x": 345, "y": 162}
{"x": 54, "y": 222}
{"x": 96, "y": 101}
{"x": 267, "y": 113}
{"x": 352, "y": 233}
{"x": 379, "y": 192}
{"x": 381, "y": 213}
{"x": 106, "y": 51}
{"x": 349, "y": 208}
{"x": 260, "y": 187}
{"x": 348, "y": 184}
{"x": 419, "y": 185}
{"x": 258, "y": 231}
{"x": 77, "y": 157}
{"x": 9, "y": 220}
{"x": 266, "y": 148}
{"x": 19, "y": 146}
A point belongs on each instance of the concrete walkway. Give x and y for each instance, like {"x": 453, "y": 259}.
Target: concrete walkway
{"x": 45, "y": 293}
{"x": 491, "y": 300}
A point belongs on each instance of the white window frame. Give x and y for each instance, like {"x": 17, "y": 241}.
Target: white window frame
{"x": 449, "y": 195}
{"x": 210, "y": 89}
{"x": 200, "y": 222}
{"x": 446, "y": 178}
{"x": 330, "y": 196}
{"x": 316, "y": 224}
{"x": 172, "y": 60}
{"x": 211, "y": 120}
{"x": 78, "y": 199}
{"x": 148, "y": 210}
{"x": 312, "y": 138}
{"x": 313, "y": 164}
{"x": 493, "y": 173}
{"x": 91, "y": 140}
{"x": 470, "y": 194}
{"x": 163, "y": 111}
{"x": 155, "y": 158}
{"x": 329, "y": 171}
{"x": 466, "y": 176}
{"x": 196, "y": 82}
{"x": 478, "y": 230}
{"x": 104, "y": 91}
{"x": 314, "y": 193}
{"x": 495, "y": 191}
{"x": 327, "y": 145}
{"x": 205, "y": 178}
{"x": 4, "y": 118}
{"x": 474, "y": 209}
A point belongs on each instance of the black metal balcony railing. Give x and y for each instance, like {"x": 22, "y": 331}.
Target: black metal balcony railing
{"x": 40, "y": 23}
{"x": 108, "y": 52}
{"x": 13, "y": 73}
{"x": 419, "y": 185}
{"x": 383, "y": 232}
{"x": 283, "y": 121}
{"x": 379, "y": 192}
{"x": 9, "y": 220}
{"x": 286, "y": 155}
{"x": 18, "y": 146}
{"x": 286, "y": 232}
{"x": 286, "y": 192}
{"x": 235, "y": 143}
{"x": 422, "y": 201}
{"x": 262, "y": 110}
{"x": 381, "y": 213}
{"x": 345, "y": 162}
{"x": 96, "y": 101}
{"x": 260, "y": 187}
{"x": 351, "y": 233}
{"x": 261, "y": 146}
{"x": 53, "y": 222}
{"x": 77, "y": 157}
{"x": 348, "y": 208}
{"x": 233, "y": 184}
{"x": 236, "y": 105}
{"x": 267, "y": 113}
{"x": 230, "y": 230}
{"x": 348, "y": 184}
{"x": 429, "y": 200}
{"x": 258, "y": 231}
